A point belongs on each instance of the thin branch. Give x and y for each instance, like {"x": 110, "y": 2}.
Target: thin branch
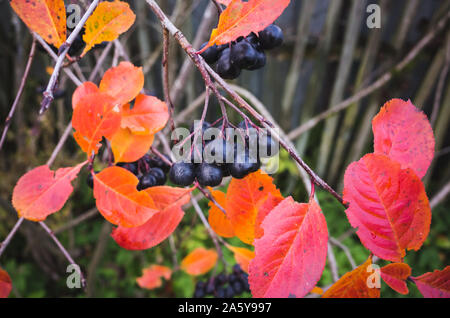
{"x": 48, "y": 94}
{"x": 63, "y": 250}
{"x": 78, "y": 220}
{"x": 100, "y": 60}
{"x": 166, "y": 83}
{"x": 11, "y": 234}
{"x": 440, "y": 196}
{"x": 345, "y": 250}
{"x": 19, "y": 93}
{"x": 332, "y": 263}
{"x": 60, "y": 144}
{"x": 211, "y": 233}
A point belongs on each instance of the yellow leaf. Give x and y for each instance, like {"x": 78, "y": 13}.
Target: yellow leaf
{"x": 107, "y": 22}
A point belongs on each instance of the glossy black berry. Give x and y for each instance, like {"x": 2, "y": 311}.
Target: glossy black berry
{"x": 90, "y": 181}
{"x": 130, "y": 166}
{"x": 237, "y": 269}
{"x": 271, "y": 37}
{"x": 225, "y": 171}
{"x": 199, "y": 293}
{"x": 209, "y": 288}
{"x": 259, "y": 62}
{"x": 156, "y": 162}
{"x": 233, "y": 278}
{"x": 182, "y": 173}
{"x": 146, "y": 181}
{"x": 211, "y": 54}
{"x": 244, "y": 281}
{"x": 218, "y": 151}
{"x": 243, "y": 164}
{"x": 220, "y": 279}
{"x": 159, "y": 175}
{"x": 243, "y": 54}
{"x": 225, "y": 68}
{"x": 208, "y": 175}
{"x": 220, "y": 292}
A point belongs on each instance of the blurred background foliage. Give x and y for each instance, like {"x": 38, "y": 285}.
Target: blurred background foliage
{"x": 329, "y": 54}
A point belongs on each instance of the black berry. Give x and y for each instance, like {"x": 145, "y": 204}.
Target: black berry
{"x": 157, "y": 162}
{"x": 271, "y": 37}
{"x": 130, "y": 166}
{"x": 182, "y": 173}
{"x": 146, "y": 181}
{"x": 259, "y": 62}
{"x": 159, "y": 175}
{"x": 225, "y": 68}
{"x": 208, "y": 174}
{"x": 243, "y": 164}
{"x": 243, "y": 54}
{"x": 211, "y": 54}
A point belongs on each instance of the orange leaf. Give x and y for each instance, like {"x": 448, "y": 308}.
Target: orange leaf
{"x": 388, "y": 206}
{"x": 317, "y": 290}
{"x": 95, "y": 116}
{"x": 355, "y": 284}
{"x": 291, "y": 255}
{"x": 244, "y": 197}
{"x": 168, "y": 201}
{"x": 219, "y": 222}
{"x": 118, "y": 200}
{"x": 5, "y": 284}
{"x": 199, "y": 261}
{"x": 148, "y": 115}
{"x": 45, "y": 17}
{"x": 151, "y": 276}
{"x": 395, "y": 275}
{"x": 83, "y": 90}
{"x": 434, "y": 284}
{"x": 403, "y": 132}
{"x": 241, "y": 18}
{"x": 242, "y": 255}
{"x": 41, "y": 192}
{"x": 122, "y": 82}
{"x": 107, "y": 22}
{"x": 128, "y": 147}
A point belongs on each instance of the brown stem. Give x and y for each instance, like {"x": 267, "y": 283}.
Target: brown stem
{"x": 166, "y": 83}
{"x": 19, "y": 93}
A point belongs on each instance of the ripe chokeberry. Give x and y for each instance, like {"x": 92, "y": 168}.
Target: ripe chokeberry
{"x": 243, "y": 164}
{"x": 243, "y": 54}
{"x": 225, "y": 68}
{"x": 208, "y": 174}
{"x": 259, "y": 62}
{"x": 130, "y": 166}
{"x": 182, "y": 173}
{"x": 211, "y": 54}
{"x": 146, "y": 181}
{"x": 271, "y": 37}
{"x": 159, "y": 175}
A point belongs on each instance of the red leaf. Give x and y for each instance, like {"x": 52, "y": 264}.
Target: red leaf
{"x": 168, "y": 201}
{"x": 264, "y": 209}
{"x": 395, "y": 275}
{"x": 403, "y": 132}
{"x": 241, "y": 18}
{"x": 199, "y": 261}
{"x": 291, "y": 255}
{"x": 95, "y": 116}
{"x": 118, "y": 200}
{"x": 151, "y": 276}
{"x": 5, "y": 284}
{"x": 388, "y": 205}
{"x": 244, "y": 197}
{"x": 354, "y": 284}
{"x": 45, "y": 17}
{"x": 41, "y": 191}
{"x": 148, "y": 115}
{"x": 83, "y": 90}
{"x": 122, "y": 82}
{"x": 434, "y": 284}
{"x": 219, "y": 222}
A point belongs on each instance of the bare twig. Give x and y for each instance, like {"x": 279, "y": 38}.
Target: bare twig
{"x": 166, "y": 83}
{"x": 19, "y": 93}
{"x": 63, "y": 250}
{"x": 11, "y": 234}
{"x": 332, "y": 263}
{"x": 83, "y": 217}
{"x": 440, "y": 196}
{"x": 345, "y": 250}
{"x": 48, "y": 94}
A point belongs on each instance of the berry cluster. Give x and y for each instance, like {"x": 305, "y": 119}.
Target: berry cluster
{"x": 229, "y": 156}
{"x": 224, "y": 286}
{"x": 150, "y": 170}
{"x": 244, "y": 54}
